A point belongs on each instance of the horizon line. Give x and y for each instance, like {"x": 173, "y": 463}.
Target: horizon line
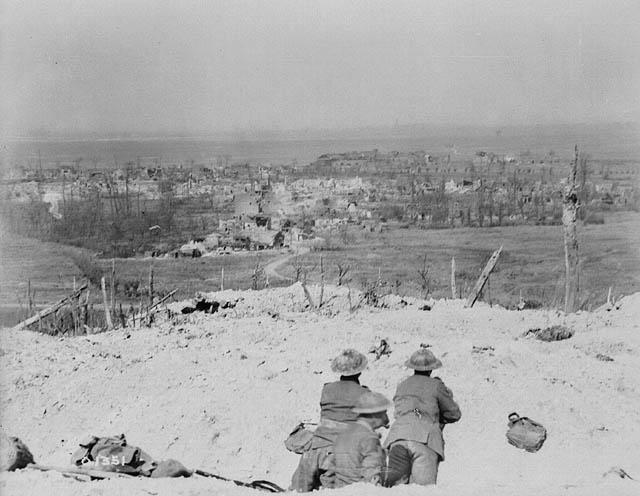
{"x": 255, "y": 133}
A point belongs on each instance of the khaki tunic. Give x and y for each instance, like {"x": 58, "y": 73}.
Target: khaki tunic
{"x": 357, "y": 456}
{"x": 336, "y": 409}
{"x": 336, "y": 403}
{"x": 423, "y": 405}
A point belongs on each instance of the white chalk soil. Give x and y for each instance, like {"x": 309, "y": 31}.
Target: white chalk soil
{"x": 222, "y": 391}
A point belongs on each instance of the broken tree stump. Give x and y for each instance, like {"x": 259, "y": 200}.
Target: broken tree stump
{"x": 569, "y": 225}
{"x": 483, "y": 278}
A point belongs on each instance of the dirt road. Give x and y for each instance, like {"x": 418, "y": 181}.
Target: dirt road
{"x": 271, "y": 269}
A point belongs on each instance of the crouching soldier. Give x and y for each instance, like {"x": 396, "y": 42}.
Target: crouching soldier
{"x": 336, "y": 412}
{"x": 423, "y": 404}
{"x": 357, "y": 453}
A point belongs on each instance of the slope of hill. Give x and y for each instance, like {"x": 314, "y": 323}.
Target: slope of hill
{"x": 222, "y": 391}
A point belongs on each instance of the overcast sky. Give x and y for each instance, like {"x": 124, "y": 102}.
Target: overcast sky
{"x": 212, "y": 65}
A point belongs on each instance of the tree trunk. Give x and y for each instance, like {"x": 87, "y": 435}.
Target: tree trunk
{"x": 569, "y": 218}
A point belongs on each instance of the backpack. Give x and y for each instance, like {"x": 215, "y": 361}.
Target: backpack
{"x": 299, "y": 440}
{"x": 525, "y": 433}
{"x": 113, "y": 454}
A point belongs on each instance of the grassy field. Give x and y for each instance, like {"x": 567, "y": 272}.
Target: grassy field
{"x": 51, "y": 271}
{"x": 532, "y": 262}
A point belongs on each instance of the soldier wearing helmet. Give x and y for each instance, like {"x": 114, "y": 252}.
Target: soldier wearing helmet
{"x": 423, "y": 404}
{"x": 336, "y": 412}
{"x": 357, "y": 453}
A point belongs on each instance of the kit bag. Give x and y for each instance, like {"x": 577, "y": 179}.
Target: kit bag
{"x": 299, "y": 440}
{"x": 525, "y": 433}
{"x": 113, "y": 454}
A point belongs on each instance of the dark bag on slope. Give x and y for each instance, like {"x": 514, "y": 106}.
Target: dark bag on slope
{"x": 525, "y": 433}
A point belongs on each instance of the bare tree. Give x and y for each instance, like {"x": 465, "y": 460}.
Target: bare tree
{"x": 424, "y": 278}
{"x": 298, "y": 269}
{"x": 343, "y": 270}
{"x": 258, "y": 277}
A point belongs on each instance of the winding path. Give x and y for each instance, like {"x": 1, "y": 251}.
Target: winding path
{"x": 271, "y": 268}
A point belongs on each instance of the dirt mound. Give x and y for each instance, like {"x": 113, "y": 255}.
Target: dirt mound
{"x": 222, "y": 394}
{"x": 328, "y": 300}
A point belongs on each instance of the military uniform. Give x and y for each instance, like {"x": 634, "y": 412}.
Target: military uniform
{"x": 357, "y": 457}
{"x": 336, "y": 403}
{"x": 423, "y": 405}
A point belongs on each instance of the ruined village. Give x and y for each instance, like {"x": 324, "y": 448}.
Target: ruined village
{"x": 150, "y": 208}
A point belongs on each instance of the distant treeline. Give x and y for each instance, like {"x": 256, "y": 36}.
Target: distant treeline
{"x": 111, "y": 225}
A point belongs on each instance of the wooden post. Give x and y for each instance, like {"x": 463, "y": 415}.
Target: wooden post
{"x": 150, "y": 286}
{"x": 308, "y": 295}
{"x": 321, "y": 281}
{"x": 147, "y": 315}
{"x": 569, "y": 224}
{"x": 123, "y": 321}
{"x": 473, "y": 296}
{"x": 107, "y": 310}
{"x": 222, "y": 279}
{"x": 113, "y": 281}
{"x": 75, "y": 313}
{"x": 453, "y": 278}
{"x": 30, "y": 302}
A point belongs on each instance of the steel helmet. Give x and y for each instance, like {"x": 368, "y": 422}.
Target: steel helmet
{"x": 423, "y": 360}
{"x": 371, "y": 402}
{"x": 349, "y": 362}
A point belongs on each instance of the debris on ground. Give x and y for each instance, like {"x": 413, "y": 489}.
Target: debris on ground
{"x": 620, "y": 472}
{"x": 482, "y": 349}
{"x": 553, "y": 333}
{"x": 604, "y": 358}
{"x": 382, "y": 349}
{"x": 296, "y": 298}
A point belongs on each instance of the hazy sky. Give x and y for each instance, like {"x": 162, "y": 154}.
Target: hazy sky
{"x": 204, "y": 66}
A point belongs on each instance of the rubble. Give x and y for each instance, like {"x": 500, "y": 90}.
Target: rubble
{"x": 553, "y": 333}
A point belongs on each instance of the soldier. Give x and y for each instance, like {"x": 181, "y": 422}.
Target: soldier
{"x": 357, "y": 453}
{"x": 336, "y": 412}
{"x": 423, "y": 404}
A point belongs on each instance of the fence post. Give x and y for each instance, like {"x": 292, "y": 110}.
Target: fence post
{"x": 453, "y": 278}
{"x": 105, "y": 303}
